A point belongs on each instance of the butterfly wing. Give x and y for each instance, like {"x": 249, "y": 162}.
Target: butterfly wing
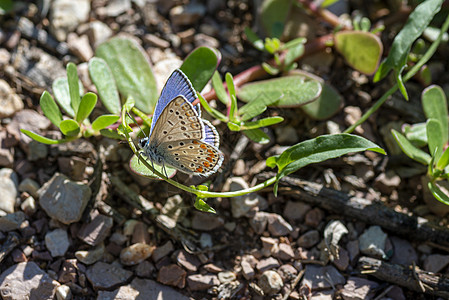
{"x": 211, "y": 135}
{"x": 177, "y": 84}
{"x": 178, "y": 121}
{"x": 193, "y": 156}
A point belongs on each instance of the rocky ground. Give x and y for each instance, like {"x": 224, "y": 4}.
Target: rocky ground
{"x": 75, "y": 223}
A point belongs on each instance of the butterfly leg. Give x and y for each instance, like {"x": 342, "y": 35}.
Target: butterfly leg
{"x": 165, "y": 170}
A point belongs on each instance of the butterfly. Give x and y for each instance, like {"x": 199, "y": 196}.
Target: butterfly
{"x": 178, "y": 136}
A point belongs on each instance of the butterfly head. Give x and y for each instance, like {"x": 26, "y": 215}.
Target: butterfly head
{"x": 143, "y": 142}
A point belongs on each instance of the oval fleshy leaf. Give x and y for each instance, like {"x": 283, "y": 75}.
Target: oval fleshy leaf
{"x": 203, "y": 206}
{"x": 69, "y": 127}
{"x": 295, "y": 90}
{"x": 139, "y": 168}
{"x": 434, "y": 104}
{"x": 435, "y": 138}
{"x": 41, "y": 139}
{"x": 50, "y": 108}
{"x": 327, "y": 104}
{"x": 273, "y": 14}
{"x": 410, "y": 150}
{"x": 257, "y": 135}
{"x": 102, "y": 77}
{"x": 132, "y": 72}
{"x": 362, "y": 50}
{"x": 62, "y": 95}
{"x": 104, "y": 121}
{"x": 319, "y": 149}
{"x": 73, "y": 80}
{"x": 87, "y": 104}
{"x": 200, "y": 65}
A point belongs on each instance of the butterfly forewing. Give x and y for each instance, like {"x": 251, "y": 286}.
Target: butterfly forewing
{"x": 178, "y": 121}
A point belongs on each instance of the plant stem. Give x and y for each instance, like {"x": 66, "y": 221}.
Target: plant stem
{"x": 432, "y": 49}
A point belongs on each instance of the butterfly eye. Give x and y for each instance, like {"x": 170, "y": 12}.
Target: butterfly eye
{"x": 143, "y": 142}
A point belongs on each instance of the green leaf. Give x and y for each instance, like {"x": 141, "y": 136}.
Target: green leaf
{"x": 111, "y": 133}
{"x": 233, "y": 109}
{"x": 416, "y": 134}
{"x": 230, "y": 84}
{"x": 410, "y": 150}
{"x": 139, "y": 168}
{"x": 104, "y": 121}
{"x": 203, "y": 206}
{"x": 273, "y": 14}
{"x": 74, "y": 89}
{"x": 296, "y": 90}
{"x": 258, "y": 106}
{"x": 69, "y": 127}
{"x": 294, "y": 51}
{"x": 232, "y": 126}
{"x": 435, "y": 107}
{"x": 211, "y": 111}
{"x": 261, "y": 123}
{"x": 417, "y": 22}
{"x": 200, "y": 65}
{"x": 6, "y": 6}
{"x": 362, "y": 50}
{"x": 320, "y": 149}
{"x": 435, "y": 138}
{"x": 62, "y": 95}
{"x": 102, "y": 77}
{"x": 218, "y": 86}
{"x": 257, "y": 135}
{"x": 254, "y": 39}
{"x": 41, "y": 139}
{"x": 87, "y": 104}
{"x": 132, "y": 72}
{"x": 438, "y": 193}
{"x": 444, "y": 160}
{"x": 272, "y": 70}
{"x": 50, "y": 108}
{"x": 326, "y": 105}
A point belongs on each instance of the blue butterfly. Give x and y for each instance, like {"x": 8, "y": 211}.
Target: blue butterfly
{"x": 178, "y": 136}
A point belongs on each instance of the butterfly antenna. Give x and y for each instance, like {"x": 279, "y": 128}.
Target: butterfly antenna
{"x": 132, "y": 118}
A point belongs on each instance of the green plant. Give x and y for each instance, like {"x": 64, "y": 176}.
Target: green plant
{"x": 67, "y": 91}
{"x": 435, "y": 135}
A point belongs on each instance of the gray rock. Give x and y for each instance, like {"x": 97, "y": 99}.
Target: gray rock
{"x": 359, "y": 289}
{"x": 10, "y": 102}
{"x": 25, "y": 281}
{"x": 386, "y": 182}
{"x": 6, "y": 151}
{"x": 309, "y": 239}
{"x": 63, "y": 199}
{"x": 295, "y": 210}
{"x": 162, "y": 251}
{"x": 79, "y": 45}
{"x": 8, "y": 190}
{"x": 404, "y": 253}
{"x": 188, "y": 14}
{"x": 27, "y": 119}
{"x": 270, "y": 282}
{"x": 98, "y": 33}
{"x": 156, "y": 41}
{"x": 267, "y": 264}
{"x": 63, "y": 292}
{"x": 286, "y": 135}
{"x": 97, "y": 230}
{"x": 114, "y": 8}
{"x": 241, "y": 205}
{"x": 199, "y": 282}
{"x": 277, "y": 225}
{"x": 259, "y": 222}
{"x": 105, "y": 276}
{"x": 436, "y": 262}
{"x": 66, "y": 15}
{"x": 37, "y": 151}
{"x": 372, "y": 242}
{"x": 30, "y": 186}
{"x": 29, "y": 206}
{"x": 57, "y": 242}
{"x": 145, "y": 269}
{"x": 317, "y": 277}
{"x": 187, "y": 260}
{"x": 284, "y": 252}
{"x": 226, "y": 276}
{"x": 206, "y": 221}
{"x": 12, "y": 221}
{"x": 138, "y": 287}
{"x": 247, "y": 270}
{"x": 90, "y": 256}
{"x": 172, "y": 275}
{"x": 135, "y": 254}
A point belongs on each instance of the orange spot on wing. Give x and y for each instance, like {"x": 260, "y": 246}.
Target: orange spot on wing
{"x": 195, "y": 142}
{"x": 199, "y": 169}
{"x": 203, "y": 146}
{"x": 206, "y": 164}
{"x": 209, "y": 159}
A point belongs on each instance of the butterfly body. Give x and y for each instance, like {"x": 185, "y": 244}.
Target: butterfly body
{"x": 178, "y": 136}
